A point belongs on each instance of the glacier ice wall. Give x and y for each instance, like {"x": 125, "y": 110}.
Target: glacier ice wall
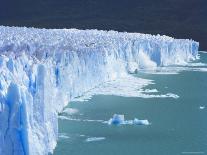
{"x": 42, "y": 70}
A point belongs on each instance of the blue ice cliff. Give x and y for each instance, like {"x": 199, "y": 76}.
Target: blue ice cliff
{"x": 42, "y": 70}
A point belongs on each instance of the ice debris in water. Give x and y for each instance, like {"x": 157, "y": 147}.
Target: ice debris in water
{"x": 63, "y": 136}
{"x": 202, "y": 107}
{"x": 119, "y": 120}
{"x": 141, "y": 122}
{"x": 91, "y": 139}
{"x": 70, "y": 111}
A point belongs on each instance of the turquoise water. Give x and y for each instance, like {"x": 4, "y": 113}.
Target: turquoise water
{"x": 178, "y": 126}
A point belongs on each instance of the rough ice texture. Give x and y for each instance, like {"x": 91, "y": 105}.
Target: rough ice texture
{"x": 42, "y": 70}
{"x": 118, "y": 119}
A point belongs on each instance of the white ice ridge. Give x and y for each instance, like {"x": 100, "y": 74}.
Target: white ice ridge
{"x": 41, "y": 70}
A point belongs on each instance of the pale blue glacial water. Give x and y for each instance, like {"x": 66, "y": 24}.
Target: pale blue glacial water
{"x": 178, "y": 126}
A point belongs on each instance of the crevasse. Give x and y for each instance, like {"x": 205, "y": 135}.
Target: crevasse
{"x": 43, "y": 69}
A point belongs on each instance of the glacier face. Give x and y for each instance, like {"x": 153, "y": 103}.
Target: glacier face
{"x": 42, "y": 70}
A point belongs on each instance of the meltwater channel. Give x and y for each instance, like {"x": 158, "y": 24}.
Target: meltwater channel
{"x": 174, "y": 102}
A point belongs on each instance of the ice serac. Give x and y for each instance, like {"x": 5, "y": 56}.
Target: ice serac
{"x": 42, "y": 70}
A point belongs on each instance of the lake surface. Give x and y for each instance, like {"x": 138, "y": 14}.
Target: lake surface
{"x": 177, "y": 125}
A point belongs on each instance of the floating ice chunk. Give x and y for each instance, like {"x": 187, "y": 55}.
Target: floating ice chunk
{"x": 82, "y": 135}
{"x": 91, "y": 139}
{"x": 63, "y": 136}
{"x": 70, "y": 111}
{"x": 117, "y": 119}
{"x": 141, "y": 122}
{"x": 202, "y": 107}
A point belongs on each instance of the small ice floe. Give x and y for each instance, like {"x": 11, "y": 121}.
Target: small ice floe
{"x": 141, "y": 122}
{"x": 70, "y": 111}
{"x": 63, "y": 136}
{"x": 119, "y": 120}
{"x": 82, "y": 135}
{"x": 92, "y": 139}
{"x": 202, "y": 107}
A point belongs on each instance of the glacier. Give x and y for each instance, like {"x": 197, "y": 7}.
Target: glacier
{"x": 42, "y": 70}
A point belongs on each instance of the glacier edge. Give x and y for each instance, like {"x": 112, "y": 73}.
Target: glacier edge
{"x": 43, "y": 69}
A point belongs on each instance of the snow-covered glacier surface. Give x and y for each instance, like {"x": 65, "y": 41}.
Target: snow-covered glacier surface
{"x": 42, "y": 70}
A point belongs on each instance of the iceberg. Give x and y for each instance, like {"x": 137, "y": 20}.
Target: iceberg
{"x": 118, "y": 119}
{"x": 42, "y": 70}
{"x": 141, "y": 122}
